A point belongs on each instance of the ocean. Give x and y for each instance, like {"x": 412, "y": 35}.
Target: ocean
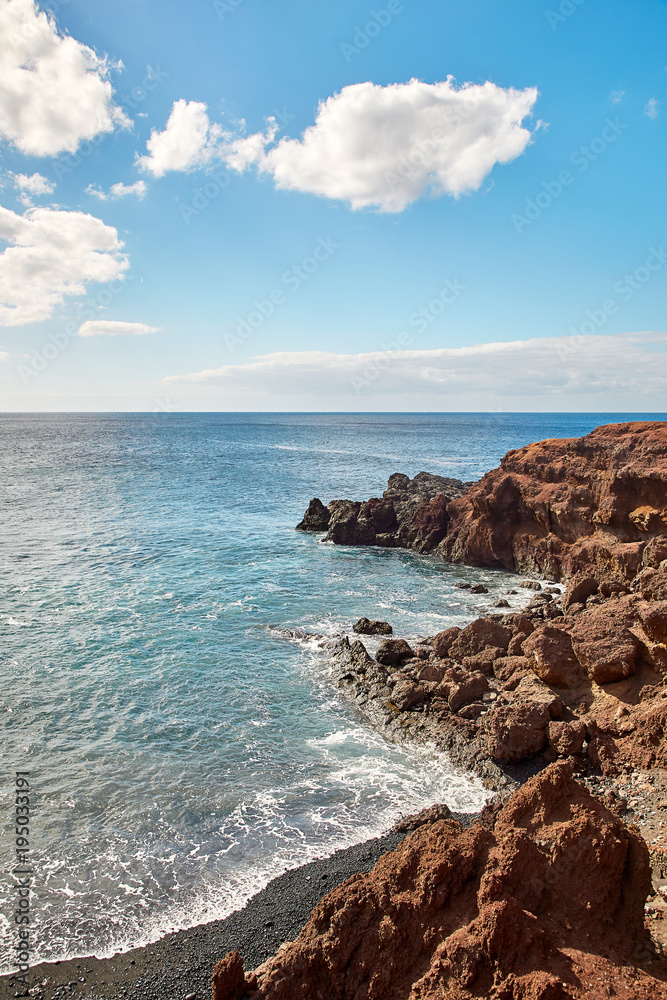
{"x": 183, "y": 749}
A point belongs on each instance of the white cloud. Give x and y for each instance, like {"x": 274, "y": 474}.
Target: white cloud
{"x": 35, "y": 184}
{"x": 114, "y": 328}
{"x": 52, "y": 254}
{"x": 189, "y": 140}
{"x": 652, "y": 109}
{"x": 385, "y": 147}
{"x": 118, "y": 190}
{"x": 617, "y": 96}
{"x": 541, "y": 367}
{"x": 54, "y": 91}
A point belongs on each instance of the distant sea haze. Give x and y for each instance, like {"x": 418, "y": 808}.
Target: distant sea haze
{"x": 182, "y": 749}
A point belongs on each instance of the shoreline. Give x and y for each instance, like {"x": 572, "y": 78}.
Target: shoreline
{"x": 180, "y": 964}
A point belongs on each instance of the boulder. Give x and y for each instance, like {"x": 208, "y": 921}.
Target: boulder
{"x": 406, "y": 694}
{"x": 442, "y": 642}
{"x": 368, "y": 626}
{"x": 579, "y": 589}
{"x": 316, "y": 518}
{"x": 603, "y": 643}
{"x": 479, "y": 635}
{"x": 517, "y": 731}
{"x": 391, "y": 652}
{"x": 551, "y": 657}
{"x": 228, "y": 980}
{"x": 467, "y": 690}
{"x": 567, "y": 738}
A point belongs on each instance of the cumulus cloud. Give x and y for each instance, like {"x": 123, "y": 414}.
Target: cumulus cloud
{"x": 54, "y": 91}
{"x": 114, "y": 328}
{"x": 617, "y": 96}
{"x": 118, "y": 190}
{"x": 546, "y": 367}
{"x": 652, "y": 109}
{"x": 384, "y": 147}
{"x": 52, "y": 254}
{"x": 189, "y": 140}
{"x": 35, "y": 184}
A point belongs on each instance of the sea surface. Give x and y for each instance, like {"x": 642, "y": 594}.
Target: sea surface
{"x": 182, "y": 750}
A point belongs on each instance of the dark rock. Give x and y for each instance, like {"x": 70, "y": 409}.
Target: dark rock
{"x": 393, "y": 651}
{"x": 367, "y": 626}
{"x": 316, "y": 518}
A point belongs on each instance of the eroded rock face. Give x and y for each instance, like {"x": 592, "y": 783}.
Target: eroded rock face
{"x": 316, "y": 518}
{"x": 411, "y": 514}
{"x": 544, "y": 902}
{"x": 560, "y": 507}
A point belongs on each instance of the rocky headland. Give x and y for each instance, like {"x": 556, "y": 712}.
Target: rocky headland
{"x": 558, "y": 891}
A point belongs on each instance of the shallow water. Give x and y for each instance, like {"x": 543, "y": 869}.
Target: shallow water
{"x": 182, "y": 751}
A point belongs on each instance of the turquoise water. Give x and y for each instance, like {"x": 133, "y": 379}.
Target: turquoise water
{"x": 182, "y": 750}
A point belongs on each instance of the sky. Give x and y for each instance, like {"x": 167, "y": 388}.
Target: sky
{"x": 417, "y": 205}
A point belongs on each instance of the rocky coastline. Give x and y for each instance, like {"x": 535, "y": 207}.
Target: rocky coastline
{"x": 558, "y": 891}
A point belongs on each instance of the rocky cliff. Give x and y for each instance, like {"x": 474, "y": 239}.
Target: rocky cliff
{"x": 541, "y": 900}
{"x": 545, "y": 897}
{"x": 565, "y": 506}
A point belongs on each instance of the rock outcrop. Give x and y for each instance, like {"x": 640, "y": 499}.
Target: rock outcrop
{"x": 557, "y": 508}
{"x": 542, "y": 900}
{"x": 411, "y": 514}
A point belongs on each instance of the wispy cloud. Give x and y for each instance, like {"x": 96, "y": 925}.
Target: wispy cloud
{"x": 652, "y": 108}
{"x": 119, "y": 190}
{"x": 539, "y": 367}
{"x": 115, "y": 328}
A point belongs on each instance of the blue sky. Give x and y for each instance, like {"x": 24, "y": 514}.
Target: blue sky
{"x": 513, "y": 262}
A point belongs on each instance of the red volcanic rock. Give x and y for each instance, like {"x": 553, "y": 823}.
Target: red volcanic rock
{"x": 579, "y": 588}
{"x": 443, "y": 640}
{"x": 567, "y": 738}
{"x": 517, "y": 731}
{"x": 507, "y": 667}
{"x": 406, "y": 694}
{"x": 478, "y": 636}
{"x": 467, "y": 690}
{"x": 655, "y": 621}
{"x": 545, "y": 904}
{"x": 229, "y": 981}
{"x": 603, "y": 643}
{"x": 652, "y": 583}
{"x": 563, "y": 506}
{"x": 550, "y": 654}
